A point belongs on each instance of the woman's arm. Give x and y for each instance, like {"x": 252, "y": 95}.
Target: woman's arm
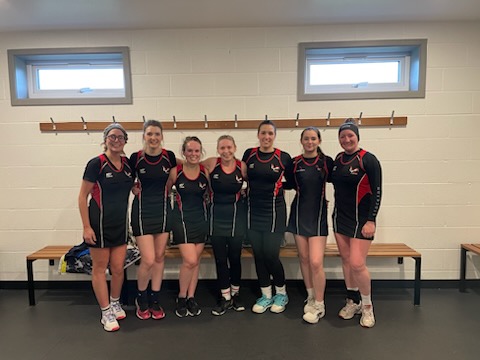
{"x": 209, "y": 163}
{"x": 88, "y": 233}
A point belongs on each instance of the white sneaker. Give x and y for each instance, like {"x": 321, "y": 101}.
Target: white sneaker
{"x": 350, "y": 309}
{"x": 109, "y": 322}
{"x": 309, "y": 302}
{"x": 314, "y": 316}
{"x": 368, "y": 319}
{"x": 280, "y": 301}
{"x": 117, "y": 310}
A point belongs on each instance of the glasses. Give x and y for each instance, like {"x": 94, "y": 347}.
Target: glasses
{"x": 120, "y": 138}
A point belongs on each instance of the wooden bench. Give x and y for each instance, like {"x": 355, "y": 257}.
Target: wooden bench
{"x": 474, "y": 248}
{"x": 52, "y": 253}
{"x": 397, "y": 250}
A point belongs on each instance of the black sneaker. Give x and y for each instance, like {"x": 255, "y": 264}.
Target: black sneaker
{"x": 221, "y": 307}
{"x": 236, "y": 304}
{"x": 193, "y": 307}
{"x": 181, "y": 310}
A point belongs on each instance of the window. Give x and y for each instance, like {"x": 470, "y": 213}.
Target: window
{"x": 70, "y": 76}
{"x": 362, "y": 70}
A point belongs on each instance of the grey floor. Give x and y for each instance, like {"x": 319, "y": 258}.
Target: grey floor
{"x": 65, "y": 325}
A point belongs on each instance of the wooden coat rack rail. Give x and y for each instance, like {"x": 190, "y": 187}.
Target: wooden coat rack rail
{"x": 223, "y": 124}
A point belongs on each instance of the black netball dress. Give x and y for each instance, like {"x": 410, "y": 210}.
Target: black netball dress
{"x": 266, "y": 201}
{"x": 149, "y": 208}
{"x": 108, "y": 206}
{"x": 357, "y": 179}
{"x": 228, "y": 210}
{"x": 308, "y": 214}
{"x": 190, "y": 212}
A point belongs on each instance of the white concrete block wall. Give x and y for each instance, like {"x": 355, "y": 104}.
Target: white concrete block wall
{"x": 431, "y": 167}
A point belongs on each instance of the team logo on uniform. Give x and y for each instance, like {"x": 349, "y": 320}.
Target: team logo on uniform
{"x": 215, "y": 176}
{"x": 334, "y": 168}
{"x": 300, "y": 169}
{"x": 202, "y": 186}
{"x": 108, "y": 175}
{"x": 251, "y": 166}
{"x": 275, "y": 168}
{"x": 353, "y": 171}
{"x": 128, "y": 173}
{"x": 165, "y": 170}
{"x": 238, "y": 179}
{"x": 142, "y": 171}
{"x": 181, "y": 186}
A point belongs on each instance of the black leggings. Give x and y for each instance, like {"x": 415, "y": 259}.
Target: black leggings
{"x": 227, "y": 251}
{"x": 266, "y": 250}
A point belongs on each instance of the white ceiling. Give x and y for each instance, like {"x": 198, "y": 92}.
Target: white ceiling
{"x": 23, "y": 15}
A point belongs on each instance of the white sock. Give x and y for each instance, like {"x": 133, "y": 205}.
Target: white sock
{"x": 281, "y": 290}
{"x": 226, "y": 293}
{"x": 267, "y": 291}
{"x": 235, "y": 289}
{"x": 319, "y": 303}
{"x": 366, "y": 299}
{"x": 114, "y": 300}
{"x": 105, "y": 310}
{"x": 310, "y": 293}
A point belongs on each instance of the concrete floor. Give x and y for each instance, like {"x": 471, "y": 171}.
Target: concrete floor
{"x": 65, "y": 325}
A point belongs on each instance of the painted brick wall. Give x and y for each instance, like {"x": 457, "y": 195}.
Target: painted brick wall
{"x": 431, "y": 167}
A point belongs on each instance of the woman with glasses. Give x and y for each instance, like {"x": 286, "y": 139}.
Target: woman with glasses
{"x": 107, "y": 181}
{"x": 189, "y": 221}
{"x": 151, "y": 167}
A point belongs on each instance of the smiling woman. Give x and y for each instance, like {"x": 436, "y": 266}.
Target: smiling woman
{"x": 189, "y": 221}
{"x": 107, "y": 181}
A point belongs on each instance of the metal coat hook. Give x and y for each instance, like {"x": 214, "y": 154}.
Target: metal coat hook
{"x": 266, "y": 117}
{"x": 84, "y": 123}
{"x": 296, "y": 121}
{"x": 54, "y": 126}
{"x": 391, "y": 117}
{"x": 174, "y": 122}
{"x": 206, "y": 122}
{"x": 236, "y": 122}
{"x": 143, "y": 117}
{"x": 328, "y": 119}
{"x": 360, "y": 118}
{"x": 113, "y": 117}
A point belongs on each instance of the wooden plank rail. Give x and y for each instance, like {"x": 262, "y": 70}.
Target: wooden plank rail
{"x": 397, "y": 250}
{"x": 222, "y": 124}
{"x": 464, "y": 248}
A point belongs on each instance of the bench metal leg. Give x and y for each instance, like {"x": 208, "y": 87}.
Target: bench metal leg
{"x": 418, "y": 268}
{"x": 30, "y": 283}
{"x": 463, "y": 269}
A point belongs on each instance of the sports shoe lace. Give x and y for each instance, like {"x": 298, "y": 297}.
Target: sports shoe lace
{"x": 116, "y": 307}
{"x": 110, "y": 316}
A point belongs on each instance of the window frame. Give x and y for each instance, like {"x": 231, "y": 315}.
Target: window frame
{"x": 414, "y": 68}
{"x": 22, "y": 77}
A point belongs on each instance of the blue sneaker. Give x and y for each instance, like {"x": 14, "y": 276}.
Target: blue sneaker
{"x": 262, "y": 305}
{"x": 279, "y": 303}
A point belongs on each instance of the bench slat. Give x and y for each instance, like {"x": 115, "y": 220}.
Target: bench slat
{"x": 475, "y": 248}
{"x": 55, "y": 252}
